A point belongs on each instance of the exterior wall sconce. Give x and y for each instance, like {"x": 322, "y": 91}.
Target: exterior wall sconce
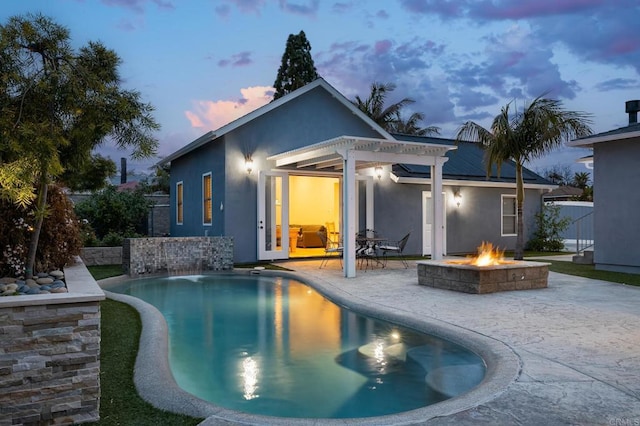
{"x": 378, "y": 172}
{"x": 457, "y": 197}
{"x": 248, "y": 164}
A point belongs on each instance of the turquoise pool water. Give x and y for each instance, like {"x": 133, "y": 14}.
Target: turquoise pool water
{"x": 274, "y": 346}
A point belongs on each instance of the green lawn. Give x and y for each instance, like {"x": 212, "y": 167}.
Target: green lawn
{"x": 120, "y": 403}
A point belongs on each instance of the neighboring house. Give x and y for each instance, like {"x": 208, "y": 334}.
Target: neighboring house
{"x": 563, "y": 193}
{"x": 312, "y": 158}
{"x": 616, "y": 197}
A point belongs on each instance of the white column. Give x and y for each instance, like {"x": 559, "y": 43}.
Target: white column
{"x": 369, "y": 201}
{"x": 349, "y": 222}
{"x": 437, "y": 236}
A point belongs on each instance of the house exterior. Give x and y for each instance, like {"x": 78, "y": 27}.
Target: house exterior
{"x": 311, "y": 157}
{"x": 616, "y": 178}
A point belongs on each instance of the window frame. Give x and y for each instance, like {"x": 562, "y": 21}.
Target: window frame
{"x": 179, "y": 202}
{"x": 514, "y": 215}
{"x": 207, "y": 202}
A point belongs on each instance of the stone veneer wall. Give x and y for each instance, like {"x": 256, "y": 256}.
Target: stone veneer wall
{"x": 50, "y": 354}
{"x": 101, "y": 255}
{"x": 176, "y": 255}
{"x": 520, "y": 275}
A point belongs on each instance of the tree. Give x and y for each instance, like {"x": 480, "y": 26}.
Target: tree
{"x": 58, "y": 104}
{"x": 297, "y": 68}
{"x": 522, "y": 136}
{"x": 560, "y": 174}
{"x": 109, "y": 211}
{"x": 580, "y": 180}
{"x": 410, "y": 126}
{"x": 390, "y": 117}
{"x": 91, "y": 176}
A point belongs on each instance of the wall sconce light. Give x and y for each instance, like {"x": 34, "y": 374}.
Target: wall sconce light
{"x": 457, "y": 196}
{"x": 378, "y": 172}
{"x": 248, "y": 164}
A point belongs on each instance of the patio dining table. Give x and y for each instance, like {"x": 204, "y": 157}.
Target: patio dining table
{"x": 367, "y": 250}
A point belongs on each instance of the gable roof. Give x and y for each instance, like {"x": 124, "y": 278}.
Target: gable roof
{"x": 627, "y": 132}
{"x": 318, "y": 83}
{"x": 465, "y": 164}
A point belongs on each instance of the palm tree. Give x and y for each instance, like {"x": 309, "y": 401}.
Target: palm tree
{"x": 374, "y": 106}
{"x": 581, "y": 180}
{"x": 410, "y": 126}
{"x": 522, "y": 136}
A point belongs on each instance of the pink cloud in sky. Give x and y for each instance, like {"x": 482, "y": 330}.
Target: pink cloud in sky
{"x": 211, "y": 115}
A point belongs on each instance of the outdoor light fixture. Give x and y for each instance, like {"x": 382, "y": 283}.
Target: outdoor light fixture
{"x": 248, "y": 164}
{"x": 378, "y": 171}
{"x": 457, "y": 196}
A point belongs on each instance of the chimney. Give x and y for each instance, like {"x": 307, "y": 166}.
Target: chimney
{"x": 632, "y": 108}
{"x": 123, "y": 170}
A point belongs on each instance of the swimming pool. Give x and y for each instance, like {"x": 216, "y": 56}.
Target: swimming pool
{"x": 274, "y": 346}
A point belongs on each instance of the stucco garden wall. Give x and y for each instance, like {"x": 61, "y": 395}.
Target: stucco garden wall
{"x": 101, "y": 255}
{"x": 50, "y": 354}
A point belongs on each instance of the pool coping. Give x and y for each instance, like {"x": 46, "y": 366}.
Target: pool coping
{"x": 155, "y": 382}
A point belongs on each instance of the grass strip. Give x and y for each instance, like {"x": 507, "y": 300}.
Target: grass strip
{"x": 120, "y": 403}
{"x": 589, "y": 271}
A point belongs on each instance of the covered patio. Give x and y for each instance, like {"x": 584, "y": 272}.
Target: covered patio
{"x": 352, "y": 155}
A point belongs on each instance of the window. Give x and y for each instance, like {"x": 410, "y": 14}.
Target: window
{"x": 509, "y": 215}
{"x": 207, "y": 201}
{"x": 179, "y": 201}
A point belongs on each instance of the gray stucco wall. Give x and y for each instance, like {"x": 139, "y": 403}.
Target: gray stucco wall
{"x": 616, "y": 205}
{"x": 297, "y": 123}
{"x": 398, "y": 209}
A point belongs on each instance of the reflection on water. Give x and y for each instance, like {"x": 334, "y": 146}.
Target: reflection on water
{"x": 274, "y": 346}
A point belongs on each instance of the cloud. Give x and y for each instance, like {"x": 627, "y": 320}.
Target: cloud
{"x": 516, "y": 63}
{"x": 241, "y": 59}
{"x": 246, "y": 6}
{"x": 607, "y": 36}
{"x": 211, "y": 115}
{"x": 138, "y": 6}
{"x": 524, "y": 9}
{"x": 617, "y": 84}
{"x": 308, "y": 8}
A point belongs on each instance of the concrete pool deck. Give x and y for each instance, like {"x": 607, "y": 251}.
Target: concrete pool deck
{"x": 576, "y": 346}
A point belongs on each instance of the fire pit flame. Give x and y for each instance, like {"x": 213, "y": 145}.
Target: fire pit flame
{"x": 487, "y": 256}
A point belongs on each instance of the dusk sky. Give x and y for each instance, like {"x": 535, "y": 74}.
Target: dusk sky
{"x": 203, "y": 63}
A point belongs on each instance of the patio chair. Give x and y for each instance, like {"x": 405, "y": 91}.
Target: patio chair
{"x": 331, "y": 249}
{"x": 397, "y": 247}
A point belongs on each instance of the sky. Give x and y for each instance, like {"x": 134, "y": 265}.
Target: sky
{"x": 204, "y": 63}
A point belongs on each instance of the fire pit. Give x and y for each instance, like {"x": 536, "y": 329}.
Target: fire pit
{"x": 488, "y": 272}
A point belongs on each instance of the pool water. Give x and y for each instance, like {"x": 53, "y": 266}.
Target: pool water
{"x": 274, "y": 346}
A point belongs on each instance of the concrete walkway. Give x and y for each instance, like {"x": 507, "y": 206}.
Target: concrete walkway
{"x": 576, "y": 346}
{"x": 578, "y": 341}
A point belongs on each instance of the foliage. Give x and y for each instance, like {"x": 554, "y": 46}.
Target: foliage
{"x": 158, "y": 182}
{"x": 297, "y": 68}
{"x": 60, "y": 237}
{"x": 90, "y": 176}
{"x": 560, "y": 174}
{"x": 522, "y": 136}
{"x": 109, "y": 212}
{"x": 549, "y": 226}
{"x": 57, "y": 105}
{"x": 390, "y": 117}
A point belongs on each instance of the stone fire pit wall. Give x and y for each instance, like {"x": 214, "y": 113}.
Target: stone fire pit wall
{"x": 50, "y": 354}
{"x": 520, "y": 275}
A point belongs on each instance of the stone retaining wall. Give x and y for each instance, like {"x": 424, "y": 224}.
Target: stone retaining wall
{"x": 101, "y": 255}
{"x": 176, "y": 255}
{"x": 50, "y": 354}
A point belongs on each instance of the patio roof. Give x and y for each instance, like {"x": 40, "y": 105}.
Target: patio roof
{"x": 372, "y": 152}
